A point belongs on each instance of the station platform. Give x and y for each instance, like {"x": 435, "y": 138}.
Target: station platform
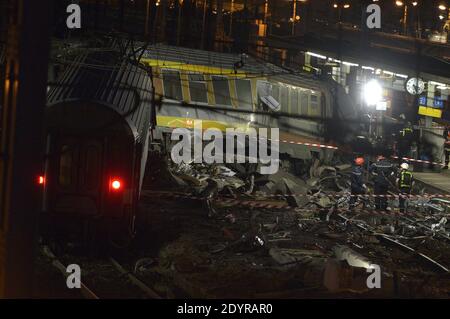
{"x": 438, "y": 181}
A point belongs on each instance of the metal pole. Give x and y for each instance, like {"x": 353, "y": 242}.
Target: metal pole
{"x": 180, "y": 4}
{"x": 266, "y": 10}
{"x": 147, "y": 18}
{"x": 294, "y": 15}
{"x": 231, "y": 17}
{"x": 204, "y": 23}
{"x": 21, "y": 143}
{"x": 405, "y": 20}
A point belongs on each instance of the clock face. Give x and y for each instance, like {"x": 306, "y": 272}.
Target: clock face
{"x": 415, "y": 86}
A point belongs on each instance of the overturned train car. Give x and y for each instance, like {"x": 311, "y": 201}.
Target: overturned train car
{"x": 236, "y": 91}
{"x": 97, "y": 123}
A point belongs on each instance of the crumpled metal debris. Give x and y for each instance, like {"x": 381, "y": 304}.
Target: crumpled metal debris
{"x": 439, "y": 226}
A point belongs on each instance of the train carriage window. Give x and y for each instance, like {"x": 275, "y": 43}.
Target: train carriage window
{"x": 314, "y": 101}
{"x": 172, "y": 85}
{"x": 268, "y": 95}
{"x": 244, "y": 94}
{"x": 284, "y": 98}
{"x": 304, "y": 101}
{"x": 315, "y": 104}
{"x": 221, "y": 90}
{"x": 65, "y": 177}
{"x": 198, "y": 88}
{"x": 294, "y": 101}
{"x": 276, "y": 92}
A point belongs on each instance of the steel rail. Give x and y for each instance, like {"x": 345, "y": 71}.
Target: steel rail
{"x": 85, "y": 291}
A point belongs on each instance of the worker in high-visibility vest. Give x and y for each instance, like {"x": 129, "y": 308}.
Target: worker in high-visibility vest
{"x": 405, "y": 183}
{"x": 404, "y": 141}
{"x": 447, "y": 147}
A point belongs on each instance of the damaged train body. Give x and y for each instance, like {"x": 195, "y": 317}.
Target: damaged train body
{"x": 108, "y": 107}
{"x": 237, "y": 91}
{"x": 97, "y": 124}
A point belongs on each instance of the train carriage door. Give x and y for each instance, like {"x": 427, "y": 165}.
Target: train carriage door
{"x": 90, "y": 168}
{"x": 78, "y": 172}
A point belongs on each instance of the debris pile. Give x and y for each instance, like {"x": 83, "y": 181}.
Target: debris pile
{"x": 292, "y": 234}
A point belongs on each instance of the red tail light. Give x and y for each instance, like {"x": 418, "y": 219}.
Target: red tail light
{"x": 116, "y": 184}
{"x": 41, "y": 180}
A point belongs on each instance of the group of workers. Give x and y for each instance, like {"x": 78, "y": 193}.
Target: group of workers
{"x": 385, "y": 175}
{"x": 382, "y": 173}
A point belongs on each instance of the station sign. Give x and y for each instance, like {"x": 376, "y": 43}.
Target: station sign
{"x": 422, "y": 100}
{"x": 430, "y": 111}
{"x": 437, "y": 102}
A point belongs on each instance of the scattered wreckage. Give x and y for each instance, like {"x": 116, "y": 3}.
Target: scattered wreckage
{"x": 301, "y": 219}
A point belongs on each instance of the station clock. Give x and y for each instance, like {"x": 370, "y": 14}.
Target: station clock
{"x": 415, "y": 86}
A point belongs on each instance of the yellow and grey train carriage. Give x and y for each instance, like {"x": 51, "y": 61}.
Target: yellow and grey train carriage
{"x": 237, "y": 91}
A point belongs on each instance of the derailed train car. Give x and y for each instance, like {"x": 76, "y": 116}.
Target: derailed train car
{"x": 97, "y": 122}
{"x": 237, "y": 91}
{"x": 100, "y": 111}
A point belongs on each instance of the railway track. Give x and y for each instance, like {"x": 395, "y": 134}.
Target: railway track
{"x": 123, "y": 280}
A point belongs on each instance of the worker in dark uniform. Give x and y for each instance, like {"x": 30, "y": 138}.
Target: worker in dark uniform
{"x": 405, "y": 139}
{"x": 381, "y": 171}
{"x": 447, "y": 147}
{"x": 357, "y": 180}
{"x": 405, "y": 183}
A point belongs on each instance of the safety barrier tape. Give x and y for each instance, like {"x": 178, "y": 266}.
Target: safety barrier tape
{"x": 409, "y": 196}
{"x": 302, "y": 143}
{"x": 418, "y": 161}
{"x": 311, "y": 144}
{"x": 337, "y": 148}
{"x": 279, "y": 206}
{"x": 425, "y": 196}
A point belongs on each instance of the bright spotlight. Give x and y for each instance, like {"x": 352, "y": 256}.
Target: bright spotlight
{"x": 373, "y": 92}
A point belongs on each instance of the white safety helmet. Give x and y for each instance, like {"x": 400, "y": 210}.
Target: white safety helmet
{"x": 405, "y": 166}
